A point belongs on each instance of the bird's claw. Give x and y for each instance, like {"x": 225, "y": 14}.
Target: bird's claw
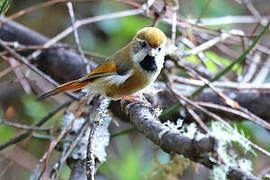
{"x": 133, "y": 99}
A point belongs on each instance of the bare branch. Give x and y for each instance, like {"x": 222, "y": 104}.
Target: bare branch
{"x": 24, "y": 61}
{"x": 85, "y": 21}
{"x": 22, "y": 126}
{"x": 76, "y": 35}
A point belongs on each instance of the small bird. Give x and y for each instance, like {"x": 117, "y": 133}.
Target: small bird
{"x": 127, "y": 71}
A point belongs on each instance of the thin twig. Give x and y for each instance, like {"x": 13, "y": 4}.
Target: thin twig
{"x": 94, "y": 123}
{"x": 253, "y": 10}
{"x": 252, "y": 67}
{"x": 220, "y": 84}
{"x": 38, "y": 124}
{"x": 263, "y": 72}
{"x": 9, "y": 165}
{"x": 90, "y": 160}
{"x": 30, "y": 9}
{"x": 226, "y": 100}
{"x": 7, "y": 70}
{"x": 62, "y": 134}
{"x": 202, "y": 57}
{"x": 76, "y": 35}
{"x": 85, "y": 21}
{"x": 238, "y": 60}
{"x": 218, "y": 118}
{"x": 24, "y": 61}
{"x": 59, "y": 164}
{"x": 222, "y": 108}
{"x": 207, "y": 44}
{"x": 22, "y": 126}
{"x": 129, "y": 2}
{"x": 215, "y": 21}
{"x": 174, "y": 22}
{"x": 198, "y": 120}
{"x": 21, "y": 47}
{"x": 204, "y": 10}
{"x": 20, "y": 76}
{"x": 263, "y": 172}
{"x": 33, "y": 8}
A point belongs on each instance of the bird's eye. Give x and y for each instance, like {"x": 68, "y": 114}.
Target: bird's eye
{"x": 159, "y": 49}
{"x": 143, "y": 44}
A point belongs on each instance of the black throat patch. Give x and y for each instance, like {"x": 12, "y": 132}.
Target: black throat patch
{"x": 149, "y": 63}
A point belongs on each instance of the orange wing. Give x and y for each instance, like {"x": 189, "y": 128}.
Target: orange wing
{"x": 106, "y": 69}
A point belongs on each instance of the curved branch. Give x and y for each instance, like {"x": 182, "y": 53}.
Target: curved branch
{"x": 199, "y": 150}
{"x": 170, "y": 141}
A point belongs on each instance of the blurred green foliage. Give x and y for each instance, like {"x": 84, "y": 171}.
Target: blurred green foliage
{"x": 4, "y": 4}
{"x": 34, "y": 109}
{"x": 213, "y": 57}
{"x": 216, "y": 8}
{"x": 120, "y": 31}
{"x": 6, "y": 133}
{"x": 172, "y": 169}
{"x": 128, "y": 164}
{"x": 224, "y": 61}
{"x": 255, "y": 133}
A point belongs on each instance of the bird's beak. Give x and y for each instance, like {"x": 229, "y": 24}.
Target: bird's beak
{"x": 151, "y": 52}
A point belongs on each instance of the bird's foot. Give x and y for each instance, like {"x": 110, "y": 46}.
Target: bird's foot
{"x": 134, "y": 99}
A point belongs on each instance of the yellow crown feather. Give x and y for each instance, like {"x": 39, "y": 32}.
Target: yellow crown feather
{"x": 152, "y": 35}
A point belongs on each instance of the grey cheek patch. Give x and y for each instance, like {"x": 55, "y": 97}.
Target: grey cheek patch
{"x": 135, "y": 49}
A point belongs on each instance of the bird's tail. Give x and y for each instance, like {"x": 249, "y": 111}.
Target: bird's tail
{"x": 69, "y": 86}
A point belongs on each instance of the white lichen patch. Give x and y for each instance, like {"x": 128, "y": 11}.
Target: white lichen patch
{"x": 101, "y": 136}
{"x": 219, "y": 172}
{"x": 67, "y": 119}
{"x": 245, "y": 164}
{"x": 226, "y": 150}
{"x": 227, "y": 136}
{"x": 266, "y": 176}
{"x": 158, "y": 111}
{"x": 79, "y": 151}
{"x": 175, "y": 127}
{"x": 190, "y": 130}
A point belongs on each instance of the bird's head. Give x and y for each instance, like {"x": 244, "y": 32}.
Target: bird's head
{"x": 148, "y": 49}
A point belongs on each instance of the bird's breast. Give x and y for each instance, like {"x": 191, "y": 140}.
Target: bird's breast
{"x": 134, "y": 83}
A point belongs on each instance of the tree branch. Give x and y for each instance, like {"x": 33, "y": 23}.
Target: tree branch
{"x": 199, "y": 150}
{"x": 170, "y": 141}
